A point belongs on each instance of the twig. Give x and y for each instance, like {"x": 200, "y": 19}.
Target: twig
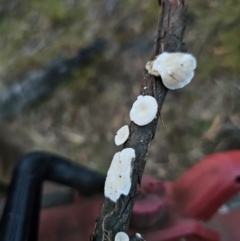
{"x": 115, "y": 217}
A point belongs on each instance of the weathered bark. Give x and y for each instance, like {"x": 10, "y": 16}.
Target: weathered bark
{"x": 42, "y": 83}
{"x": 115, "y": 217}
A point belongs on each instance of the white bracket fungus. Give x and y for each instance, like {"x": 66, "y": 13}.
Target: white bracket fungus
{"x": 175, "y": 69}
{"x": 122, "y": 135}
{"x": 144, "y": 110}
{"x": 119, "y": 174}
{"x": 138, "y": 235}
{"x": 121, "y": 236}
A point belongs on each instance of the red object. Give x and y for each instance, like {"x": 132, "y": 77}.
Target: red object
{"x": 190, "y": 230}
{"x": 174, "y": 210}
{"x": 170, "y": 223}
{"x": 150, "y": 206}
{"x": 73, "y": 222}
{"x": 208, "y": 185}
{"x": 227, "y": 225}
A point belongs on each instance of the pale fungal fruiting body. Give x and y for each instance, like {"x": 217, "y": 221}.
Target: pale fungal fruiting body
{"x": 138, "y": 235}
{"x": 119, "y": 174}
{"x": 121, "y": 236}
{"x": 175, "y": 69}
{"x": 122, "y": 135}
{"x": 144, "y": 110}
{"x": 149, "y": 68}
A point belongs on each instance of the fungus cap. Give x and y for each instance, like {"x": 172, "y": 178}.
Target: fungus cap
{"x": 144, "y": 110}
{"x": 121, "y": 236}
{"x": 122, "y": 135}
{"x": 138, "y": 235}
{"x": 175, "y": 69}
{"x": 119, "y": 174}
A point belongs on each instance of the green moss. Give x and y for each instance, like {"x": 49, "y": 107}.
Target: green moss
{"x": 17, "y": 32}
{"x": 54, "y": 9}
{"x": 6, "y": 27}
{"x": 201, "y": 126}
{"x": 217, "y": 41}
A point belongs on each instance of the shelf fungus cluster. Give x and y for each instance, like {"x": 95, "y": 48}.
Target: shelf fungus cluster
{"x": 175, "y": 69}
{"x": 143, "y": 111}
{"x": 118, "y": 181}
{"x": 119, "y": 174}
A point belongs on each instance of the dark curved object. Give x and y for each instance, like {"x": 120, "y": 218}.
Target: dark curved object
{"x": 39, "y": 84}
{"x": 21, "y": 214}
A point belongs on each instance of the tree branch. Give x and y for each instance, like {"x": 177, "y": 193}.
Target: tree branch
{"x": 115, "y": 217}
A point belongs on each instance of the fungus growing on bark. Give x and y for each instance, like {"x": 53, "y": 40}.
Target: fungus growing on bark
{"x": 121, "y": 236}
{"x": 175, "y": 69}
{"x": 144, "y": 110}
{"x": 119, "y": 174}
{"x": 122, "y": 135}
{"x": 138, "y": 235}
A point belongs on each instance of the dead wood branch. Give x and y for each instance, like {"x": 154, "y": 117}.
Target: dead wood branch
{"x": 115, "y": 217}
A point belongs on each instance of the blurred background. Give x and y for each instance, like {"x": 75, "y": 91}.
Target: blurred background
{"x": 70, "y": 71}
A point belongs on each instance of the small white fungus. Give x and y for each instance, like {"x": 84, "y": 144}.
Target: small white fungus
{"x": 224, "y": 209}
{"x": 138, "y": 235}
{"x": 119, "y": 174}
{"x": 144, "y": 110}
{"x": 122, "y": 135}
{"x": 175, "y": 69}
{"x": 121, "y": 236}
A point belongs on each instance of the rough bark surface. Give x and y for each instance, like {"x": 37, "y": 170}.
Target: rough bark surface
{"x": 115, "y": 217}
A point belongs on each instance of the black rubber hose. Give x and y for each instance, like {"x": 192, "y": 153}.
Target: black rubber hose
{"x": 20, "y": 218}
